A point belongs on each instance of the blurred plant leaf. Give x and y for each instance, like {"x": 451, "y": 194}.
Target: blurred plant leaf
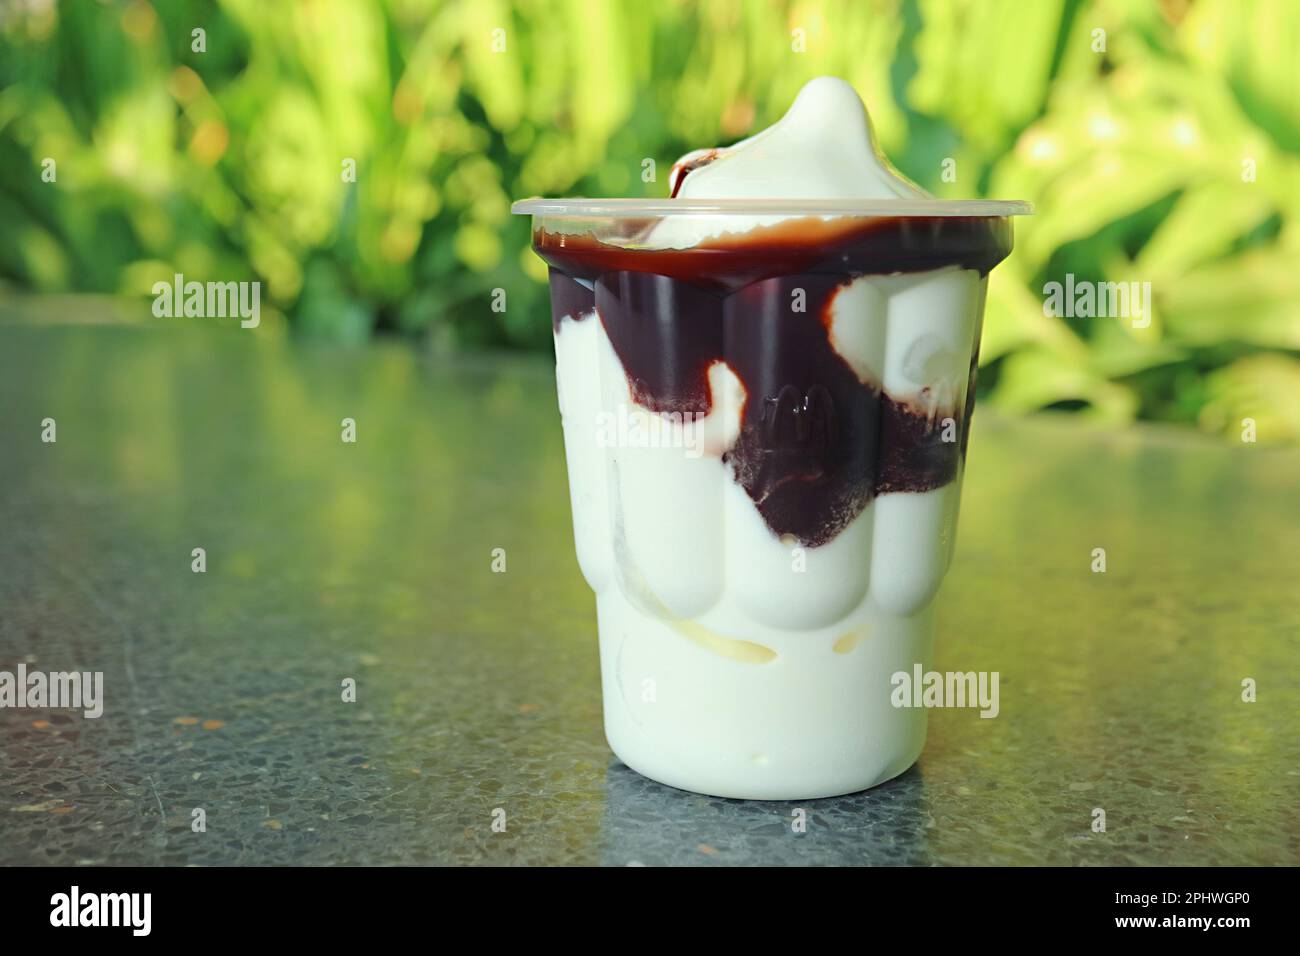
{"x": 1263, "y": 388}
{"x": 984, "y": 66}
{"x": 1036, "y": 377}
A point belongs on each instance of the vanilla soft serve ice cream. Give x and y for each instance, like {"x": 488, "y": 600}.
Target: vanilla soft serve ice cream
{"x": 765, "y": 387}
{"x": 823, "y": 148}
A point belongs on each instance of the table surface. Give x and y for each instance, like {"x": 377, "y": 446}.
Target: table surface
{"x": 479, "y": 691}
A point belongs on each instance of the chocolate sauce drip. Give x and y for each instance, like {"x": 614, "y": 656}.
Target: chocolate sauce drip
{"x": 681, "y": 170}
{"x": 569, "y": 299}
{"x": 816, "y": 443}
{"x": 671, "y": 333}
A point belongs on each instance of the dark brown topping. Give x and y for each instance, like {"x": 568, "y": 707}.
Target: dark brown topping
{"x": 687, "y": 165}
{"x": 816, "y": 444}
{"x": 846, "y": 247}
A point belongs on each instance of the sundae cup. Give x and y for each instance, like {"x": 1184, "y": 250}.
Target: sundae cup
{"x": 765, "y": 383}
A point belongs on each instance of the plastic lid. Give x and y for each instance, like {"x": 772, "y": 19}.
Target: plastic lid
{"x": 650, "y": 208}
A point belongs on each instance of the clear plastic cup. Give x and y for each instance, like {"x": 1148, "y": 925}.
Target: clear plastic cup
{"x": 765, "y": 409}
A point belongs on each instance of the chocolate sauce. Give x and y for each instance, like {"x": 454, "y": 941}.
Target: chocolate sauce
{"x": 816, "y": 443}
{"x": 687, "y": 165}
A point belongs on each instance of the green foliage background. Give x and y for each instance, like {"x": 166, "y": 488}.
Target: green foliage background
{"x": 227, "y": 163}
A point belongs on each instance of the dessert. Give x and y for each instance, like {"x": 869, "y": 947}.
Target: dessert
{"x": 813, "y": 318}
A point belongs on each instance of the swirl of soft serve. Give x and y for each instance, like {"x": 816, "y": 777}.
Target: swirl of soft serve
{"x": 822, "y": 148}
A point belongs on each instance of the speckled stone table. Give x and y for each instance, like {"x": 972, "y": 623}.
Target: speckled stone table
{"x": 479, "y": 690}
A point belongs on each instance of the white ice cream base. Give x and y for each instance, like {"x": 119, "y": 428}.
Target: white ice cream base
{"x": 725, "y": 668}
